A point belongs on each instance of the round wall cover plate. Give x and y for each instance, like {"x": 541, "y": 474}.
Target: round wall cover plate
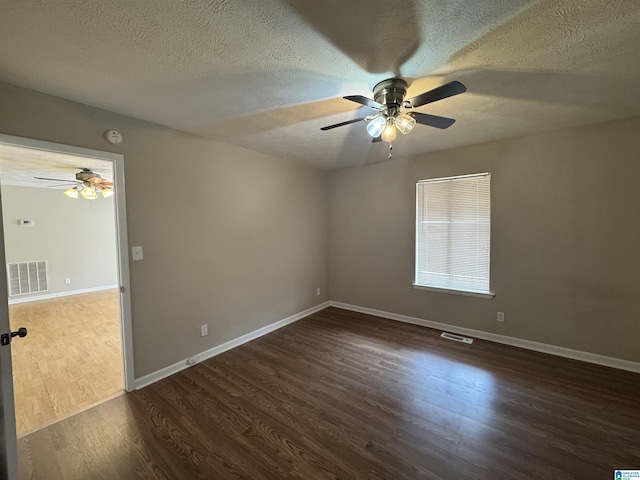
{"x": 113, "y": 137}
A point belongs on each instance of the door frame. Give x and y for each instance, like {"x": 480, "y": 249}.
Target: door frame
{"x": 8, "y": 442}
{"x": 122, "y": 245}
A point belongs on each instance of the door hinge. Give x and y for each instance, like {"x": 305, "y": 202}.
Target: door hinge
{"x": 121, "y": 288}
{"x": 5, "y": 339}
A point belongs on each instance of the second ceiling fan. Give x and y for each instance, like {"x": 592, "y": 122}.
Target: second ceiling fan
{"x": 396, "y": 113}
{"x": 87, "y": 183}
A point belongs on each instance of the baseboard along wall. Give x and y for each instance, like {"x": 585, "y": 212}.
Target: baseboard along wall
{"x": 47, "y": 296}
{"x": 212, "y": 352}
{"x": 492, "y": 337}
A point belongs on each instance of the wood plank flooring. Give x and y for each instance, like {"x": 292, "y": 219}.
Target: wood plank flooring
{"x": 70, "y": 359}
{"x": 342, "y": 395}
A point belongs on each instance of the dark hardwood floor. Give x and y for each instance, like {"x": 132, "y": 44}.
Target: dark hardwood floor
{"x": 342, "y": 395}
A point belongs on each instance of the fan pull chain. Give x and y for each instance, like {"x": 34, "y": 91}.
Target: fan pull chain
{"x": 390, "y": 148}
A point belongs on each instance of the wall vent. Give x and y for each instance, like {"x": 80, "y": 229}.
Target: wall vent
{"x": 28, "y": 277}
{"x": 457, "y": 338}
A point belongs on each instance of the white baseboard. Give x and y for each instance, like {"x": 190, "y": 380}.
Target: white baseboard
{"x": 46, "y": 296}
{"x": 212, "y": 352}
{"x": 494, "y": 337}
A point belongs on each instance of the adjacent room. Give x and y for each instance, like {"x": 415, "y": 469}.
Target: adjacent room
{"x": 60, "y": 250}
{"x": 342, "y": 239}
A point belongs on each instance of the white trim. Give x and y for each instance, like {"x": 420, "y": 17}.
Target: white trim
{"x": 212, "y": 352}
{"x": 453, "y": 291}
{"x": 494, "y": 337}
{"x": 122, "y": 243}
{"x": 455, "y": 177}
{"x": 34, "y": 298}
{"x": 122, "y": 252}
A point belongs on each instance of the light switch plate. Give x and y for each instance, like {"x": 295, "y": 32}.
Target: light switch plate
{"x": 136, "y": 253}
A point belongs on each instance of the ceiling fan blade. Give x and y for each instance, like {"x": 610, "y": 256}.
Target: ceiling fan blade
{"x": 329, "y": 127}
{"x": 56, "y": 180}
{"x": 444, "y": 91}
{"x": 60, "y": 185}
{"x": 432, "y": 120}
{"x": 363, "y": 101}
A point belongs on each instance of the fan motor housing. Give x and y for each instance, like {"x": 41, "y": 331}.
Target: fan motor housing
{"x": 390, "y": 92}
{"x": 87, "y": 175}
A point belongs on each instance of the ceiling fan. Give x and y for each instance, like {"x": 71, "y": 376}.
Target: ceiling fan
{"x": 87, "y": 183}
{"x": 395, "y": 113}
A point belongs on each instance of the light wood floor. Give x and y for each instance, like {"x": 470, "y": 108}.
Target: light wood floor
{"x": 342, "y": 395}
{"x": 70, "y": 359}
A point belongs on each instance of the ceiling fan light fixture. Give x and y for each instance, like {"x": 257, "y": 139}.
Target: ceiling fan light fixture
{"x": 107, "y": 192}
{"x": 89, "y": 193}
{"x": 389, "y": 100}
{"x": 389, "y": 131}
{"x": 405, "y": 123}
{"x": 72, "y": 192}
{"x": 375, "y": 126}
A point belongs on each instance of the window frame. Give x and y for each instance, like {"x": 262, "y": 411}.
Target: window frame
{"x": 488, "y": 294}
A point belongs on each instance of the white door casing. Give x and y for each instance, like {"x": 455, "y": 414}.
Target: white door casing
{"x": 8, "y": 443}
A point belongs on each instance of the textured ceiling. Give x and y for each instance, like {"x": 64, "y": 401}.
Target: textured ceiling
{"x": 19, "y": 166}
{"x": 267, "y": 74}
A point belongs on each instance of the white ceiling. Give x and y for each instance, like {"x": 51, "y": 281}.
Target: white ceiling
{"x": 267, "y": 74}
{"x": 19, "y": 166}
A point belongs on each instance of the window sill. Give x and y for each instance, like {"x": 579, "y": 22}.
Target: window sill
{"x": 451, "y": 291}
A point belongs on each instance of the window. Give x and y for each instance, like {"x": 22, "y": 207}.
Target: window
{"x": 453, "y": 230}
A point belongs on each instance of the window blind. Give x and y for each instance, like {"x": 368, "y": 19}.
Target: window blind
{"x": 453, "y": 230}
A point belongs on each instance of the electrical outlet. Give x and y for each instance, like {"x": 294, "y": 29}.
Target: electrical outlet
{"x": 191, "y": 361}
{"x": 500, "y": 317}
{"x": 67, "y": 281}
{"x": 317, "y": 291}
{"x": 204, "y": 330}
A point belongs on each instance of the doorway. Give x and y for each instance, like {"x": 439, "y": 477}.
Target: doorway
{"x": 78, "y": 351}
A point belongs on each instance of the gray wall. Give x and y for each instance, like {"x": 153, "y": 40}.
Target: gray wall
{"x": 238, "y": 239}
{"x": 233, "y": 238}
{"x": 565, "y": 237}
{"x": 77, "y": 237}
